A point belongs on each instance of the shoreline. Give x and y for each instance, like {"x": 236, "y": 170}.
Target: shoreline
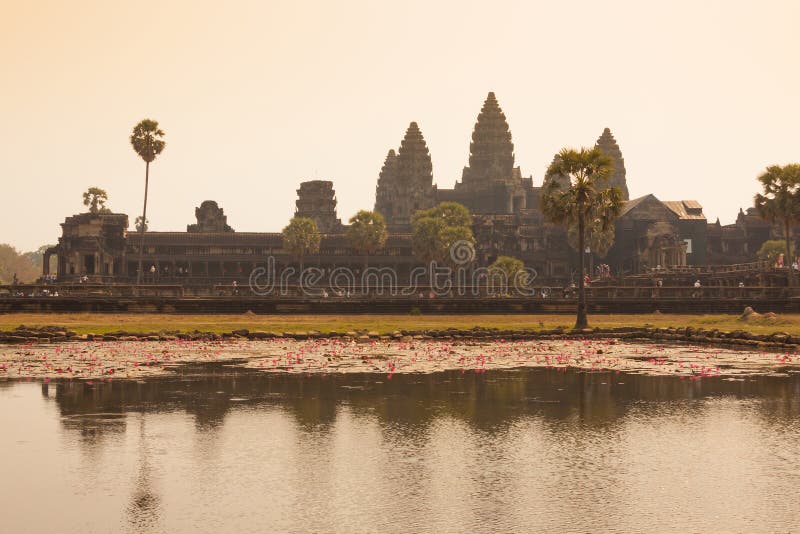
{"x": 742, "y": 338}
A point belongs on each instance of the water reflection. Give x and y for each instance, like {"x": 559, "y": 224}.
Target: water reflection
{"x": 532, "y": 449}
{"x": 488, "y": 402}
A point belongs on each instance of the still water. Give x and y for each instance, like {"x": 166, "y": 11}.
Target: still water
{"x": 529, "y": 450}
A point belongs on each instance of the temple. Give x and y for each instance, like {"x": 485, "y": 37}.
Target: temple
{"x": 405, "y": 184}
{"x": 650, "y": 233}
{"x": 317, "y": 200}
{"x": 210, "y": 219}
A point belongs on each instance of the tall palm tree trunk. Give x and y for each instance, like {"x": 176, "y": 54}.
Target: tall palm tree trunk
{"x": 582, "y": 321}
{"x": 787, "y": 226}
{"x": 144, "y": 221}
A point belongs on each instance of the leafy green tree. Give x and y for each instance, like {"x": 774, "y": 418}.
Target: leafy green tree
{"x": 95, "y": 199}
{"x": 425, "y": 241}
{"x": 367, "y": 233}
{"x": 36, "y": 257}
{"x": 780, "y": 202}
{"x": 508, "y": 268}
{"x": 14, "y": 263}
{"x": 771, "y": 250}
{"x": 579, "y": 199}
{"x": 148, "y": 142}
{"x": 437, "y": 231}
{"x": 301, "y": 237}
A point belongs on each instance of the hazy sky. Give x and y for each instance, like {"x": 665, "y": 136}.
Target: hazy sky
{"x": 256, "y": 97}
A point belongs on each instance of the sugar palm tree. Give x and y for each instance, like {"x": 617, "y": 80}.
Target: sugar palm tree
{"x": 780, "y": 202}
{"x": 147, "y": 141}
{"x": 579, "y": 198}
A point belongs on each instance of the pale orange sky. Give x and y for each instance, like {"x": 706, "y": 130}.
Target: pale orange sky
{"x": 256, "y": 97}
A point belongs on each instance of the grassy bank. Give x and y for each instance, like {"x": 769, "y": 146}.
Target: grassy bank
{"x": 103, "y": 323}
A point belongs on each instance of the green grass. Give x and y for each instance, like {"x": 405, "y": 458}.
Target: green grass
{"x": 101, "y": 323}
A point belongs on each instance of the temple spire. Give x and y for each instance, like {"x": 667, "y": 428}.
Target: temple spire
{"x": 387, "y": 186}
{"x": 405, "y": 184}
{"x": 414, "y": 165}
{"x": 608, "y": 144}
{"x": 491, "y": 150}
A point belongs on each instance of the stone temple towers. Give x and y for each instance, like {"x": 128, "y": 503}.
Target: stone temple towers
{"x": 490, "y": 184}
{"x": 405, "y": 184}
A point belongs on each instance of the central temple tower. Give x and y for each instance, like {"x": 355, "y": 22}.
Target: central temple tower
{"x": 491, "y": 183}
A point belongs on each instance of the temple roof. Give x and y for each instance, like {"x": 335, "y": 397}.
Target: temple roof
{"x": 633, "y": 203}
{"x": 686, "y": 209}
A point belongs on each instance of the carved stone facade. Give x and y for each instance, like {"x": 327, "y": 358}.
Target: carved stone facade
{"x": 317, "y": 200}
{"x": 739, "y": 242}
{"x": 651, "y": 233}
{"x": 93, "y": 245}
{"x": 210, "y": 219}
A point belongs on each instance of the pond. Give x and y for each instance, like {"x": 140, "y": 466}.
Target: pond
{"x": 213, "y": 449}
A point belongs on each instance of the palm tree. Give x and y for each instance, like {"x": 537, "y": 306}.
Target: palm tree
{"x": 780, "y": 203}
{"x": 367, "y": 233}
{"x": 579, "y": 199}
{"x": 147, "y": 141}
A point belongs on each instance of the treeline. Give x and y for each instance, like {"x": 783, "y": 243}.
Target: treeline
{"x": 26, "y": 265}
